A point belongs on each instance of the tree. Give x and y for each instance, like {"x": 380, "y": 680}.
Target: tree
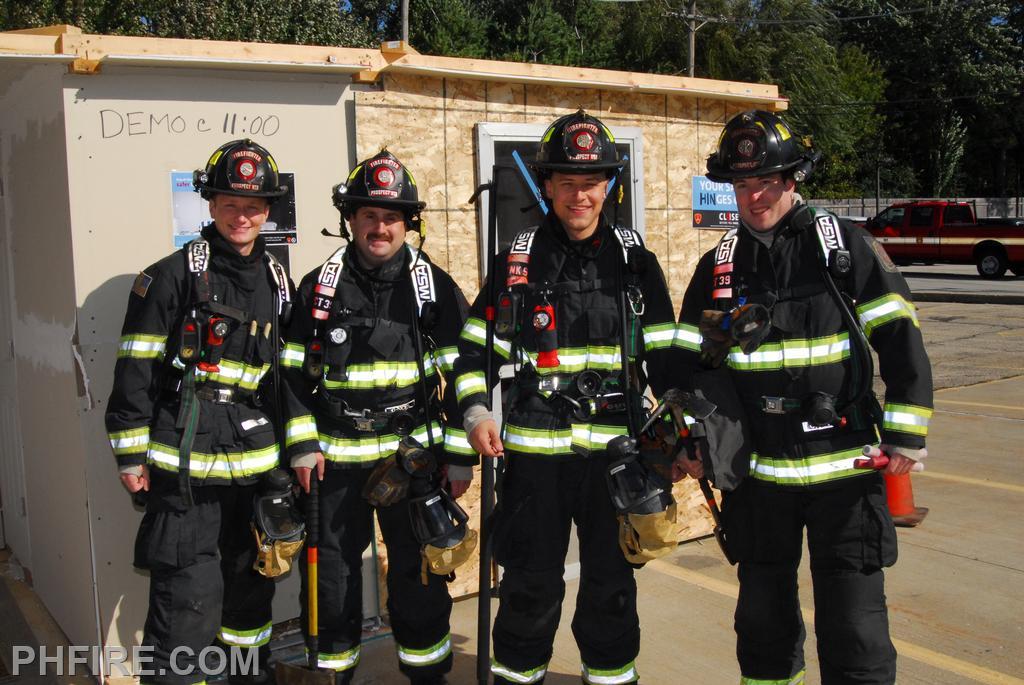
{"x": 456, "y": 28}
{"x": 791, "y": 43}
{"x": 542, "y": 35}
{"x": 954, "y": 69}
{"x": 321, "y": 22}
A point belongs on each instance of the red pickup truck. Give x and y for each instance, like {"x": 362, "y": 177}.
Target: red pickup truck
{"x": 943, "y": 231}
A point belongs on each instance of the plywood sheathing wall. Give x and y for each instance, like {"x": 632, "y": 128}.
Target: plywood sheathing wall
{"x": 429, "y": 123}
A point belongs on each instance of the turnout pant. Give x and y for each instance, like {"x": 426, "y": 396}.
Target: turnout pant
{"x": 850, "y": 537}
{"x": 202, "y": 585}
{"x": 538, "y": 502}
{"x": 418, "y": 613}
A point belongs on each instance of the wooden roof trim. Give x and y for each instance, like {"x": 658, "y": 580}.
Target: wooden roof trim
{"x": 89, "y": 51}
{"x": 603, "y": 78}
{"x": 166, "y": 51}
{"x": 28, "y": 44}
{"x": 694, "y": 87}
{"x": 52, "y": 30}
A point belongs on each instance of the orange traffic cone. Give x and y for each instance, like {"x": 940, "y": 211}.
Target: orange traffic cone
{"x": 900, "y": 497}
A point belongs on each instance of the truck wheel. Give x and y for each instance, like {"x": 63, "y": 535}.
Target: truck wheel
{"x": 992, "y": 263}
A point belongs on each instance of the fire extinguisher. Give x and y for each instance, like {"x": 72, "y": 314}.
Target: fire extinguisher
{"x": 547, "y": 336}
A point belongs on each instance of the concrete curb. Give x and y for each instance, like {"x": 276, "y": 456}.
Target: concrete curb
{"x": 967, "y": 298}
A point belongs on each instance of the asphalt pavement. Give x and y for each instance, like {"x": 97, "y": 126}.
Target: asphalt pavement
{"x": 961, "y": 283}
{"x": 956, "y": 606}
{"x": 955, "y": 597}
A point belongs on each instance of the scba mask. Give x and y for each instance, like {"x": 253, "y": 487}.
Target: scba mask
{"x": 439, "y": 524}
{"x": 277, "y": 525}
{"x": 644, "y": 504}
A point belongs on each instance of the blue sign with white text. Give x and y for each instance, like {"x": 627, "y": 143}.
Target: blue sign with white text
{"x": 714, "y": 204}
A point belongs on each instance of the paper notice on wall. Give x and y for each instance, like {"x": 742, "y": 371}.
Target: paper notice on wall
{"x": 190, "y": 212}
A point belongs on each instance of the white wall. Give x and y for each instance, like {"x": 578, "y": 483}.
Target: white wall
{"x": 36, "y": 220}
{"x": 85, "y": 205}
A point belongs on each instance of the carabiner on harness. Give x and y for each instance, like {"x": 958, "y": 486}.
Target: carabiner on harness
{"x": 635, "y": 297}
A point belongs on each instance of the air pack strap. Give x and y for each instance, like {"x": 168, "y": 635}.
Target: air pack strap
{"x": 833, "y": 251}
{"x": 420, "y": 274}
{"x": 197, "y": 257}
{"x": 518, "y": 263}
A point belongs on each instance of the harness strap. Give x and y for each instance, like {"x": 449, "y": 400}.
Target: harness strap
{"x": 420, "y": 275}
{"x": 197, "y": 259}
{"x": 277, "y": 273}
{"x": 829, "y": 235}
{"x": 725, "y": 258}
{"x": 518, "y": 263}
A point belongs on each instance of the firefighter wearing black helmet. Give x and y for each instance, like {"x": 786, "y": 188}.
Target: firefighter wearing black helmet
{"x": 577, "y": 290}
{"x": 375, "y": 328}
{"x": 803, "y": 373}
{"x": 191, "y": 424}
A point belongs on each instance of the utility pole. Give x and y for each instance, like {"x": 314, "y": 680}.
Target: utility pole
{"x": 405, "y": 21}
{"x": 693, "y": 33}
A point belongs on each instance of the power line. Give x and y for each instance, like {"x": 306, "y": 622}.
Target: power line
{"x": 823, "y": 20}
{"x": 906, "y": 101}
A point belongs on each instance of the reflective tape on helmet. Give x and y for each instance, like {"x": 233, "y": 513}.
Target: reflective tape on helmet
{"x": 610, "y": 676}
{"x": 758, "y": 143}
{"x": 884, "y": 309}
{"x": 534, "y": 675}
{"x": 239, "y": 167}
{"x": 429, "y": 655}
{"x": 906, "y": 418}
{"x": 257, "y": 637}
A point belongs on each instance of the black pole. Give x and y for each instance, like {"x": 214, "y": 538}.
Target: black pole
{"x": 312, "y": 575}
{"x": 625, "y": 336}
{"x": 483, "y": 657}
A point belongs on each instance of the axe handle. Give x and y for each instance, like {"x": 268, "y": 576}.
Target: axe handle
{"x": 716, "y": 515}
{"x": 312, "y": 545}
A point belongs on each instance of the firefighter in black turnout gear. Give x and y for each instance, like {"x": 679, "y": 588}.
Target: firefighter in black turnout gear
{"x": 190, "y": 418}
{"x": 375, "y": 328}
{"x": 576, "y": 290}
{"x": 808, "y": 292}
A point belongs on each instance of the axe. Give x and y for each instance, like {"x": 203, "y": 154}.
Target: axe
{"x": 678, "y": 403}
